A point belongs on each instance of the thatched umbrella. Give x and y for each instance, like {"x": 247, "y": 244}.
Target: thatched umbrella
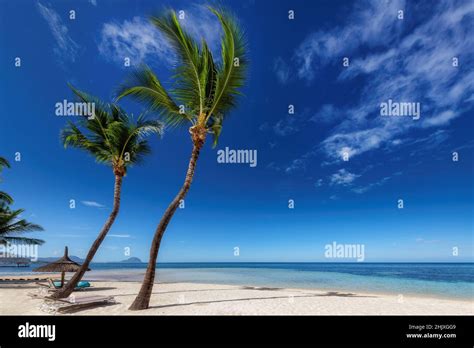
{"x": 64, "y": 264}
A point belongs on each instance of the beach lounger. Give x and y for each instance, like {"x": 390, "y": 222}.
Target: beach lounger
{"x": 73, "y": 304}
{"x": 55, "y": 285}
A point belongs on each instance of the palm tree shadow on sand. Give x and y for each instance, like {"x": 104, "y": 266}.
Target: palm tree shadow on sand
{"x": 180, "y": 291}
{"x": 327, "y": 294}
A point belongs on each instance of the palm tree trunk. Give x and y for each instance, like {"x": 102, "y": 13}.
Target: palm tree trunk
{"x": 142, "y": 300}
{"x": 69, "y": 287}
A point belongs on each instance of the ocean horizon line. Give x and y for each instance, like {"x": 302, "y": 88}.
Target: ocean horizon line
{"x": 295, "y": 262}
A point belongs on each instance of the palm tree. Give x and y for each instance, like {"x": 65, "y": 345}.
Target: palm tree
{"x": 209, "y": 92}
{"x": 114, "y": 139}
{"x": 11, "y": 225}
{"x": 5, "y": 197}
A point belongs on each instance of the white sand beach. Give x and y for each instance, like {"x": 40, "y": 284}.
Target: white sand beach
{"x": 216, "y": 299}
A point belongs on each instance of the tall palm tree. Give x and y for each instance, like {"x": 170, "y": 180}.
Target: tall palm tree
{"x": 207, "y": 89}
{"x": 114, "y": 139}
{"x": 11, "y": 225}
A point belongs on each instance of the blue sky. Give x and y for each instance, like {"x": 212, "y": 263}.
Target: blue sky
{"x": 297, "y": 62}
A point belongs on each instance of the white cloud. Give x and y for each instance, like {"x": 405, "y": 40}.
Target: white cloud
{"x": 92, "y": 204}
{"x": 403, "y": 63}
{"x": 441, "y": 119}
{"x": 138, "y": 39}
{"x": 119, "y": 235}
{"x": 66, "y": 48}
{"x": 93, "y": 2}
{"x": 370, "y": 24}
{"x": 135, "y": 39}
{"x": 356, "y": 142}
{"x": 431, "y": 142}
{"x": 342, "y": 177}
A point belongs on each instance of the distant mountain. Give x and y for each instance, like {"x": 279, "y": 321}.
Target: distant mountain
{"x": 132, "y": 260}
{"x": 52, "y": 259}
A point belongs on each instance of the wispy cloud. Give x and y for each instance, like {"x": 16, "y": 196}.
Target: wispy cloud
{"x": 66, "y": 48}
{"x": 372, "y": 23}
{"x": 427, "y": 241}
{"x": 135, "y": 39}
{"x": 289, "y": 124}
{"x": 273, "y": 166}
{"x": 282, "y": 70}
{"x": 92, "y": 204}
{"x": 69, "y": 235}
{"x": 380, "y": 182}
{"x": 286, "y": 126}
{"x": 119, "y": 235}
{"x": 295, "y": 165}
{"x": 342, "y": 177}
{"x": 138, "y": 39}
{"x": 328, "y": 113}
{"x": 93, "y": 2}
{"x": 203, "y": 24}
{"x": 424, "y": 73}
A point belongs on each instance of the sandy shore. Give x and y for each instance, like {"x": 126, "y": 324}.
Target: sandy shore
{"x": 214, "y": 299}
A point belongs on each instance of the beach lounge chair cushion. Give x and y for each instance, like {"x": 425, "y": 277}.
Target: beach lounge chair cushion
{"x": 80, "y": 285}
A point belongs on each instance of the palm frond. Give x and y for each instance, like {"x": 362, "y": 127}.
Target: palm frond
{"x": 230, "y": 77}
{"x": 144, "y": 86}
{"x": 21, "y": 240}
{"x": 188, "y": 89}
{"x": 10, "y": 222}
{"x": 111, "y": 135}
{"x": 209, "y": 76}
{"x": 4, "y": 163}
{"x": 148, "y": 127}
{"x": 95, "y": 145}
{"x": 101, "y": 109}
{"x": 5, "y": 197}
{"x": 133, "y": 134}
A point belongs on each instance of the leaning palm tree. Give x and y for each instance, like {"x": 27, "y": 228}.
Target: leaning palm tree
{"x": 12, "y": 226}
{"x": 203, "y": 94}
{"x": 114, "y": 139}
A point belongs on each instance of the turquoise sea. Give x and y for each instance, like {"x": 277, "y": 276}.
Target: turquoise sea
{"x": 448, "y": 280}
